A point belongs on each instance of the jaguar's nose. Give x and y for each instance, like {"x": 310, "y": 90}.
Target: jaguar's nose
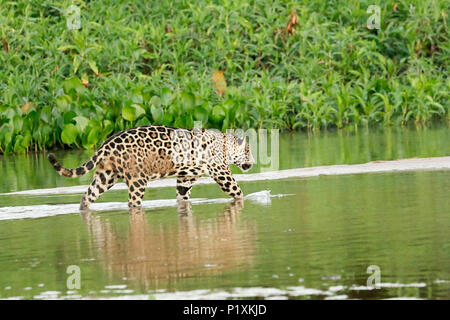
{"x": 246, "y": 166}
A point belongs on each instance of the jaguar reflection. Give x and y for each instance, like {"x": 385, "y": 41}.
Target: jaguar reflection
{"x": 195, "y": 246}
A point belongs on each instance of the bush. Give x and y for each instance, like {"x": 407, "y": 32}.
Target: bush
{"x": 136, "y": 63}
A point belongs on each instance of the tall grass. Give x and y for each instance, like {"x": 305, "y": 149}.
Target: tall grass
{"x": 139, "y": 62}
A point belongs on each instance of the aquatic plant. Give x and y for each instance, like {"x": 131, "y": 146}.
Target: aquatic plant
{"x": 286, "y": 65}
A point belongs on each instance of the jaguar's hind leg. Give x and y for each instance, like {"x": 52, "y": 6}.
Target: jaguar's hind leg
{"x": 184, "y": 186}
{"x": 136, "y": 190}
{"x": 103, "y": 180}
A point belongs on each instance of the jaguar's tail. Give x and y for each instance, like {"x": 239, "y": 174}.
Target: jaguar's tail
{"x": 73, "y": 173}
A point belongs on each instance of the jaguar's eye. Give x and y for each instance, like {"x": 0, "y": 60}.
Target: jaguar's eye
{"x": 240, "y": 140}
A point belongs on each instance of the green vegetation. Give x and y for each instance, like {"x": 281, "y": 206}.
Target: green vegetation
{"x": 135, "y": 63}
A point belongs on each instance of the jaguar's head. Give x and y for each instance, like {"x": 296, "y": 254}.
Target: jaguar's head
{"x": 242, "y": 155}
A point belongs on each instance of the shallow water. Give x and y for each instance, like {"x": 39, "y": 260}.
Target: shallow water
{"x": 317, "y": 241}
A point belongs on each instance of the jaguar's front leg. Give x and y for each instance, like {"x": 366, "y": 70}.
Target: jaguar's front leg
{"x": 184, "y": 186}
{"x": 222, "y": 175}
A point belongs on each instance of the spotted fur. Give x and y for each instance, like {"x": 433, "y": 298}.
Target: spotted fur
{"x": 147, "y": 153}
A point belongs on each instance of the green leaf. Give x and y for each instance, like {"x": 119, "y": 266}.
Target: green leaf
{"x": 18, "y": 147}
{"x": 45, "y": 114}
{"x": 225, "y": 124}
{"x": 69, "y": 116}
{"x": 69, "y": 134}
{"x": 136, "y": 96}
{"x": 108, "y": 127}
{"x": 129, "y": 113}
{"x": 73, "y": 84}
{"x": 63, "y": 102}
{"x": 66, "y": 47}
{"x": 188, "y": 121}
{"x": 166, "y": 96}
{"x": 93, "y": 136}
{"x": 7, "y": 138}
{"x": 179, "y": 122}
{"x": 143, "y": 121}
{"x": 156, "y": 101}
{"x": 18, "y": 123}
{"x": 139, "y": 110}
{"x": 46, "y": 133}
{"x": 76, "y": 63}
{"x": 188, "y": 100}
{"x": 157, "y": 113}
{"x": 81, "y": 123}
{"x": 201, "y": 114}
{"x": 167, "y": 119}
{"x": 26, "y": 140}
{"x": 93, "y": 66}
{"x": 229, "y": 104}
{"x": 218, "y": 114}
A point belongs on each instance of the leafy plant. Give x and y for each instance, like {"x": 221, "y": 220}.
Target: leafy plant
{"x": 286, "y": 64}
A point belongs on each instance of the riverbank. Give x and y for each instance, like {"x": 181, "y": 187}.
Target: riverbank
{"x": 245, "y": 64}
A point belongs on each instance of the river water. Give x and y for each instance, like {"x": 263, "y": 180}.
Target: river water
{"x": 326, "y": 237}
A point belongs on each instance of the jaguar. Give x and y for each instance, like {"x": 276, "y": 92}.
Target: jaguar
{"x": 142, "y": 154}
